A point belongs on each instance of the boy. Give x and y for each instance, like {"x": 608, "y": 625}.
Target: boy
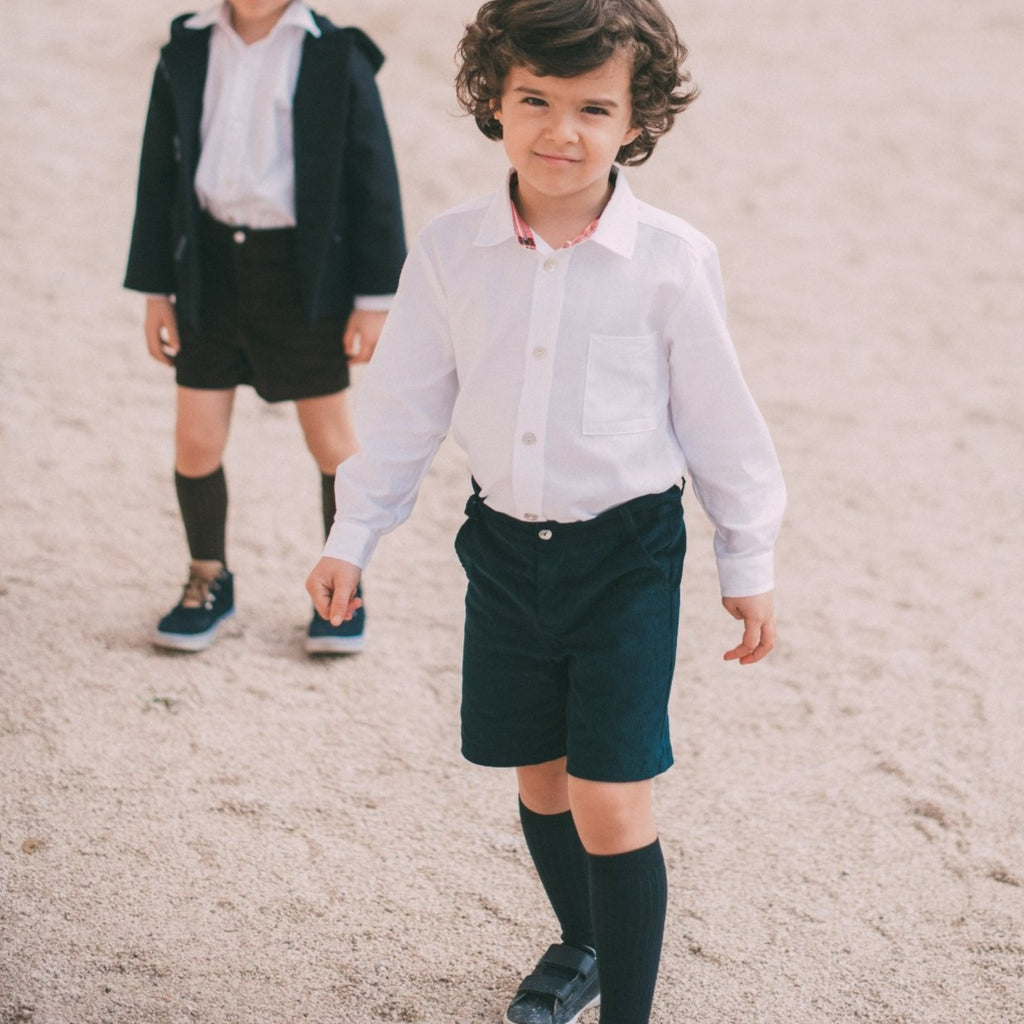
{"x": 574, "y": 340}
{"x": 268, "y": 207}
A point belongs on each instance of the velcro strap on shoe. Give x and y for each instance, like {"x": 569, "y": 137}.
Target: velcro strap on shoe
{"x": 558, "y": 972}
{"x": 551, "y": 985}
{"x": 569, "y": 957}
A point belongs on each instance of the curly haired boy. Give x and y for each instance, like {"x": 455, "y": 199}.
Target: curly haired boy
{"x": 573, "y": 339}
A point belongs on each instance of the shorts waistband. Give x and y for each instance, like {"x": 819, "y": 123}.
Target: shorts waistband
{"x": 609, "y": 521}
{"x": 241, "y": 234}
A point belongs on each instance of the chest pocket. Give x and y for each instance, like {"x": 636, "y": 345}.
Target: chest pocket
{"x": 621, "y": 387}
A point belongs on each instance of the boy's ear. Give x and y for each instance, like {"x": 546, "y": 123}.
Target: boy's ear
{"x": 631, "y": 134}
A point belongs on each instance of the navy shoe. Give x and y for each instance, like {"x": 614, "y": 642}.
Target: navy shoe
{"x": 208, "y": 599}
{"x": 348, "y": 638}
{"x": 563, "y": 984}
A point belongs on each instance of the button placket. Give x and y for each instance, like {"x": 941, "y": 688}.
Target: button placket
{"x": 535, "y": 397}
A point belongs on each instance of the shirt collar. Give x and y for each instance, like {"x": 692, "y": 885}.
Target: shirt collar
{"x": 297, "y": 14}
{"x": 524, "y": 233}
{"x": 616, "y": 229}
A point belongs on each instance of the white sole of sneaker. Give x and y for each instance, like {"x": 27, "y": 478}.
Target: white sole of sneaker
{"x": 335, "y": 644}
{"x": 596, "y": 1001}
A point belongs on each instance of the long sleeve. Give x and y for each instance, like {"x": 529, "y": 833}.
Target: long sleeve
{"x": 729, "y": 454}
{"x": 404, "y": 411}
{"x": 151, "y": 257}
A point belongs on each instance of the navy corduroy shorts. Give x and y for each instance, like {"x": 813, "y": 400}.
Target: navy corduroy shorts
{"x": 254, "y": 330}
{"x": 570, "y": 638}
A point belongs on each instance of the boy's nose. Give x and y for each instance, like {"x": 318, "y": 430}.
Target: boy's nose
{"x": 563, "y": 129}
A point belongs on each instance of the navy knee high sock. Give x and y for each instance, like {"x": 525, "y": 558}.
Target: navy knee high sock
{"x": 203, "y": 501}
{"x": 561, "y": 863}
{"x": 628, "y": 893}
{"x": 327, "y": 501}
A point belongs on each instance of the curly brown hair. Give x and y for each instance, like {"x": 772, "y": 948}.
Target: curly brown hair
{"x": 566, "y": 38}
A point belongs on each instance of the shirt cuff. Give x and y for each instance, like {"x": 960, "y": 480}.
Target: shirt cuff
{"x": 373, "y": 303}
{"x": 748, "y": 576}
{"x": 351, "y": 543}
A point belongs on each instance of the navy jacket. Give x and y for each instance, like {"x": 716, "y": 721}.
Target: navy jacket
{"x": 349, "y": 234}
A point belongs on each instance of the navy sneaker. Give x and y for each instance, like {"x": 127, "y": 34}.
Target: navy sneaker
{"x": 208, "y": 599}
{"x": 348, "y": 638}
{"x": 563, "y": 984}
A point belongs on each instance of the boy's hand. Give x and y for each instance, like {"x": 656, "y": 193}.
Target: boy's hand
{"x": 362, "y": 332}
{"x": 332, "y": 585}
{"x": 161, "y": 326}
{"x": 758, "y": 615}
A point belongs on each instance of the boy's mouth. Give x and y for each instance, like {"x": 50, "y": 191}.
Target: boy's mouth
{"x": 555, "y": 159}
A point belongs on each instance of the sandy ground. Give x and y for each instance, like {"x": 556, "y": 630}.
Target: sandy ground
{"x": 250, "y": 836}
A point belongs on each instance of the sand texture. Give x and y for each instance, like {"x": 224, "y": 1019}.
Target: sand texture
{"x": 249, "y": 836}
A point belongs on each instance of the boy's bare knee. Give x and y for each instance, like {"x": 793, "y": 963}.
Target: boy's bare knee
{"x": 612, "y": 817}
{"x": 543, "y": 788}
{"x": 197, "y": 455}
{"x": 328, "y": 430}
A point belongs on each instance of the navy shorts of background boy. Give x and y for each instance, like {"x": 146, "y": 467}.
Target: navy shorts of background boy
{"x": 268, "y": 238}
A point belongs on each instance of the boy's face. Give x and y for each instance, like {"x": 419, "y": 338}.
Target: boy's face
{"x": 253, "y": 19}
{"x": 562, "y": 134}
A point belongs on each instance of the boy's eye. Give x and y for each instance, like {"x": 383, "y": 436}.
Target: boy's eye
{"x": 595, "y": 110}
{"x": 533, "y": 101}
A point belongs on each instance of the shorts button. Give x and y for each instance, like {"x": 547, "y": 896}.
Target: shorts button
{"x": 544, "y": 534}
{"x": 238, "y": 237}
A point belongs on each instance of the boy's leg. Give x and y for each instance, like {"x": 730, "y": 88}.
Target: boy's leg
{"x": 203, "y": 502}
{"x": 203, "y": 421}
{"x": 555, "y": 848}
{"x": 201, "y": 430}
{"x": 327, "y": 427}
{"x": 330, "y": 438}
{"x": 628, "y": 892}
{"x": 565, "y": 981}
{"x": 201, "y": 435}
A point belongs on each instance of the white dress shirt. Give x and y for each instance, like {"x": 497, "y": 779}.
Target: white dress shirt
{"x": 246, "y": 172}
{"x": 574, "y": 380}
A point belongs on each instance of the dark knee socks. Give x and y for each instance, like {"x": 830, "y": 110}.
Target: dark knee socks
{"x": 327, "y": 501}
{"x": 561, "y": 863}
{"x": 203, "y": 501}
{"x": 628, "y": 893}
{"x": 615, "y": 905}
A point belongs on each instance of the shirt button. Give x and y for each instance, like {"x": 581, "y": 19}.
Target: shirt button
{"x": 529, "y": 438}
{"x": 239, "y": 237}
{"x": 550, "y": 264}
{"x": 544, "y": 534}
{"x": 530, "y": 517}
{"x": 540, "y": 353}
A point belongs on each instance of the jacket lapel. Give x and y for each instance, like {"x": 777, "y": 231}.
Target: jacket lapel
{"x": 186, "y": 59}
{"x": 318, "y": 114}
